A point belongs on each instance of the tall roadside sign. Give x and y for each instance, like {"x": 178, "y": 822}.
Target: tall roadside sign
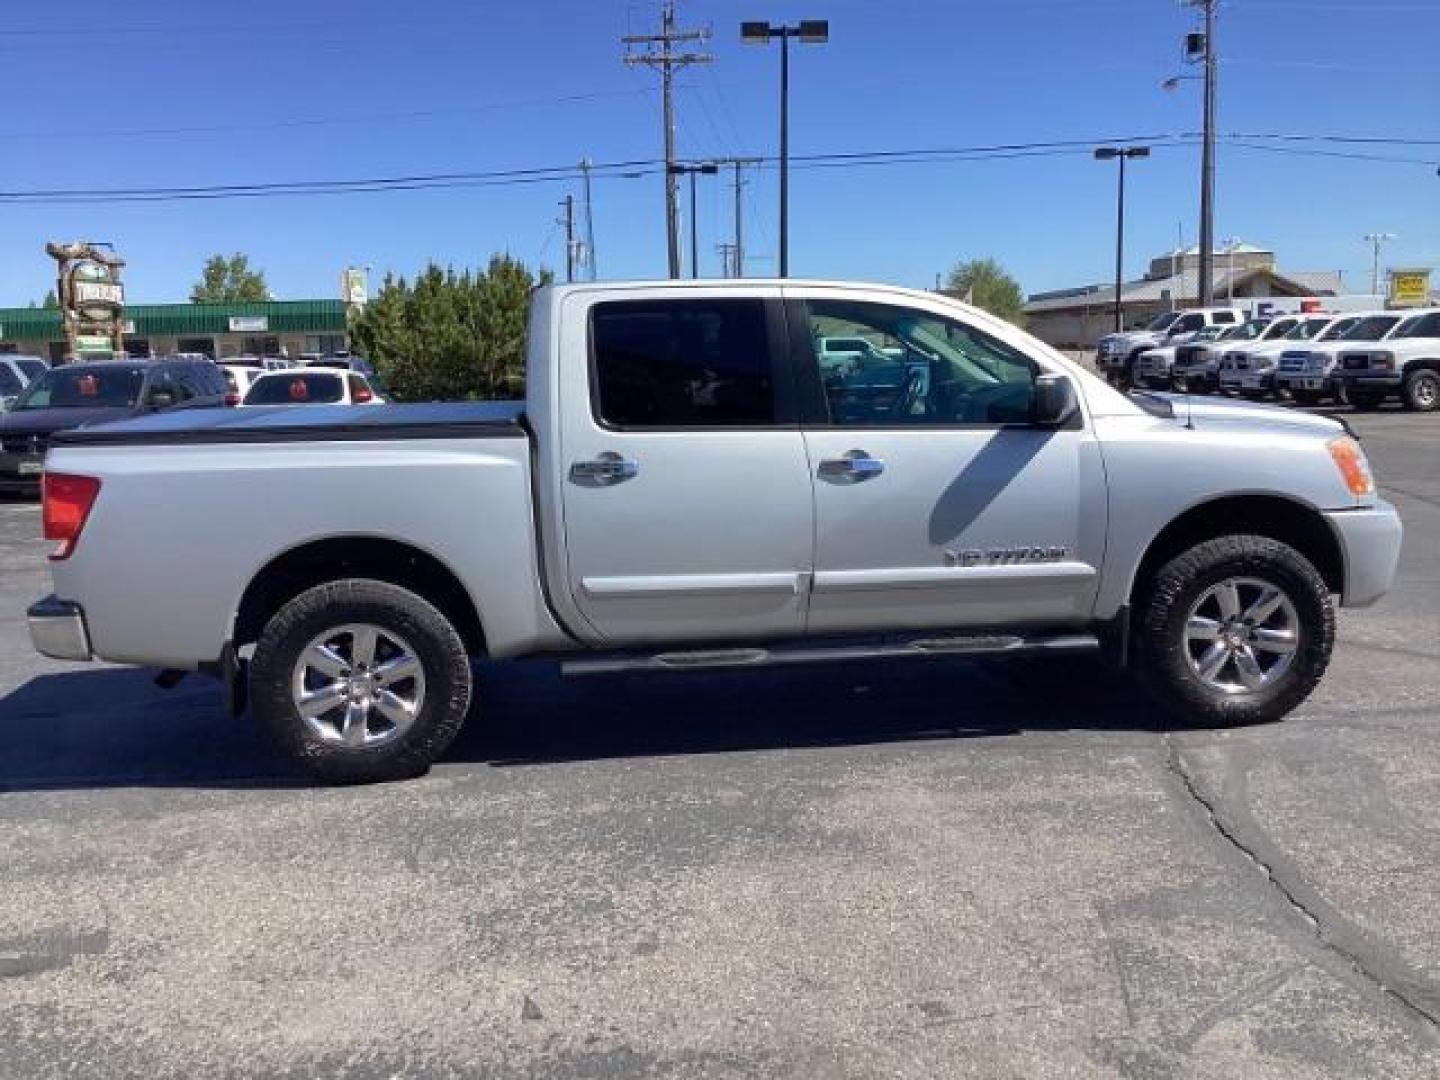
{"x": 92, "y": 298}
{"x": 1409, "y": 288}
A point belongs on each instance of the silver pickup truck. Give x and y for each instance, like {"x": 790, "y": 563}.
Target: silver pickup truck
{"x": 687, "y": 488}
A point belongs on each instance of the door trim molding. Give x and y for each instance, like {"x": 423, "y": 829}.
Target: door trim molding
{"x": 929, "y": 577}
{"x": 665, "y": 585}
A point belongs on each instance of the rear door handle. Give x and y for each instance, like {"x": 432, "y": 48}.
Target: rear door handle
{"x": 606, "y": 468}
{"x": 854, "y": 467}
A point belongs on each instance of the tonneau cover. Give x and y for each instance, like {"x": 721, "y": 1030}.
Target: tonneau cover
{"x": 307, "y": 423}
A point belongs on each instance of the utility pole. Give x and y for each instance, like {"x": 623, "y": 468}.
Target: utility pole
{"x": 1376, "y": 239}
{"x": 1207, "y": 159}
{"x": 585, "y": 166}
{"x": 660, "y": 53}
{"x": 739, "y": 163}
{"x": 569, "y": 222}
{"x": 727, "y": 258}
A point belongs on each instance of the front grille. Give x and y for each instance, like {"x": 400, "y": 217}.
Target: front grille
{"x": 1355, "y": 361}
{"x": 1237, "y": 361}
{"x": 25, "y": 444}
{"x": 1188, "y": 354}
{"x": 1293, "y": 361}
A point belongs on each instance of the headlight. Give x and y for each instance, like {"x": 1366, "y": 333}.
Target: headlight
{"x": 1354, "y": 469}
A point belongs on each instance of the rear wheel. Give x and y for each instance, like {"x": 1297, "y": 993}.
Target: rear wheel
{"x": 1421, "y": 392}
{"x": 357, "y": 681}
{"x": 1236, "y": 630}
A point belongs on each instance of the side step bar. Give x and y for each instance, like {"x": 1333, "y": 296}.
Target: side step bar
{"x": 910, "y": 648}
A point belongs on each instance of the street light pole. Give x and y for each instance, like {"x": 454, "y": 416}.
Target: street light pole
{"x": 709, "y": 168}
{"x": 810, "y": 32}
{"x": 1120, "y": 154}
{"x": 1207, "y": 166}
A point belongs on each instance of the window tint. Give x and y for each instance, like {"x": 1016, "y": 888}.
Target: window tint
{"x": 1226, "y": 317}
{"x": 1372, "y": 328}
{"x": 916, "y": 368}
{"x": 309, "y": 388}
{"x": 1188, "y": 324}
{"x": 682, "y": 363}
{"x": 10, "y": 383}
{"x": 33, "y": 369}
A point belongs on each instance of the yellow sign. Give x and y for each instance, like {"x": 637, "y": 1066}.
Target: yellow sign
{"x": 1409, "y": 288}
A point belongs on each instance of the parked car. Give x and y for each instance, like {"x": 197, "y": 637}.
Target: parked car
{"x": 1197, "y": 364}
{"x": 304, "y": 387}
{"x": 1116, "y": 354}
{"x": 88, "y": 393}
{"x": 1250, "y": 370}
{"x": 1310, "y": 372}
{"x": 684, "y": 491}
{"x": 238, "y": 380}
{"x": 16, "y": 373}
{"x": 1407, "y": 367}
{"x": 1155, "y": 368}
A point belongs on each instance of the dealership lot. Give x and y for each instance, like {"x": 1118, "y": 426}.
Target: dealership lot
{"x": 885, "y": 870}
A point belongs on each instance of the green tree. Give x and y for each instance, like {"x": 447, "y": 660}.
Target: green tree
{"x": 986, "y": 284}
{"x": 224, "y": 280}
{"x": 50, "y": 301}
{"x": 448, "y": 335}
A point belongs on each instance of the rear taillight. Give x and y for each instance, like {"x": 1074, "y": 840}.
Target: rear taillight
{"x": 231, "y": 400}
{"x": 67, "y": 503}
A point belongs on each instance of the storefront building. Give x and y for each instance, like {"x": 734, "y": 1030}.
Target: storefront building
{"x": 289, "y": 328}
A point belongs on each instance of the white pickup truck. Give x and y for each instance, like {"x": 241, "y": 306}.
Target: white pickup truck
{"x": 686, "y": 487}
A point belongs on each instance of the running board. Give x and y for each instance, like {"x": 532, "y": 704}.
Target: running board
{"x": 946, "y": 645}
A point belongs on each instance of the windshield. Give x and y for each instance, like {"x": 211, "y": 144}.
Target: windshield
{"x": 311, "y": 388}
{"x": 1162, "y": 321}
{"x": 1339, "y": 330}
{"x": 1372, "y": 328}
{"x": 87, "y": 388}
{"x": 1213, "y": 333}
{"x": 1306, "y": 330}
{"x": 1421, "y": 326}
{"x": 1278, "y": 329}
{"x": 1247, "y": 331}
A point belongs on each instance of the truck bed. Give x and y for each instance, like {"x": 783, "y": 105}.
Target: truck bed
{"x": 308, "y": 423}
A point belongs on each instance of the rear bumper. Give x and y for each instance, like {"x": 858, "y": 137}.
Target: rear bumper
{"x": 57, "y": 629}
{"x": 1370, "y": 542}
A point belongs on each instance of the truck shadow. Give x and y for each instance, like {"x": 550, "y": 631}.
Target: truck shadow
{"x": 112, "y": 727}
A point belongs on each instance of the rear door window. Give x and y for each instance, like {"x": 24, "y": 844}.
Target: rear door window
{"x": 683, "y": 364}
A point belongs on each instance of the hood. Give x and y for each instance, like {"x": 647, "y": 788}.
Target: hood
{"x": 48, "y": 421}
{"x": 1133, "y": 338}
{"x": 1211, "y": 412}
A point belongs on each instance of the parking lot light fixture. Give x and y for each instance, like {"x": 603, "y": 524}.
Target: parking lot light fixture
{"x": 810, "y": 32}
{"x": 1121, "y": 154}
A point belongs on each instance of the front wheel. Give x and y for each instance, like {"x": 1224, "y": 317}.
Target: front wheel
{"x": 1236, "y": 630}
{"x": 1421, "y": 392}
{"x": 356, "y": 681}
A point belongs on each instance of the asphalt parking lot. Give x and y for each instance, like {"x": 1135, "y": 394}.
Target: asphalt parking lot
{"x": 944, "y": 870}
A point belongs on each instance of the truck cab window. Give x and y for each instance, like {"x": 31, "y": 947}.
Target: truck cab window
{"x": 883, "y": 366}
{"x": 682, "y": 363}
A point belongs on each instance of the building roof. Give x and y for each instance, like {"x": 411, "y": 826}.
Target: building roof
{"x": 281, "y": 316}
{"x": 1177, "y": 287}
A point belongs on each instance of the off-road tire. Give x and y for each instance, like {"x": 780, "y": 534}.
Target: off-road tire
{"x": 1159, "y": 651}
{"x": 1421, "y": 392}
{"x": 435, "y": 642}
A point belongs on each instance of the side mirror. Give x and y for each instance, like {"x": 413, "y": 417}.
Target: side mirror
{"x": 1055, "y": 401}
{"x": 161, "y": 399}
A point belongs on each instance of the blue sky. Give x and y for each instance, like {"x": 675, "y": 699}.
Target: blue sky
{"x": 179, "y": 94}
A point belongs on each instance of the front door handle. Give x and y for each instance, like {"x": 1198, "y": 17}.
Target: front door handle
{"x": 606, "y": 468}
{"x": 854, "y": 467}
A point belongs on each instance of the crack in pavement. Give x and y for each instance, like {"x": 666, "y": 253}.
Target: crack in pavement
{"x": 1311, "y": 911}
